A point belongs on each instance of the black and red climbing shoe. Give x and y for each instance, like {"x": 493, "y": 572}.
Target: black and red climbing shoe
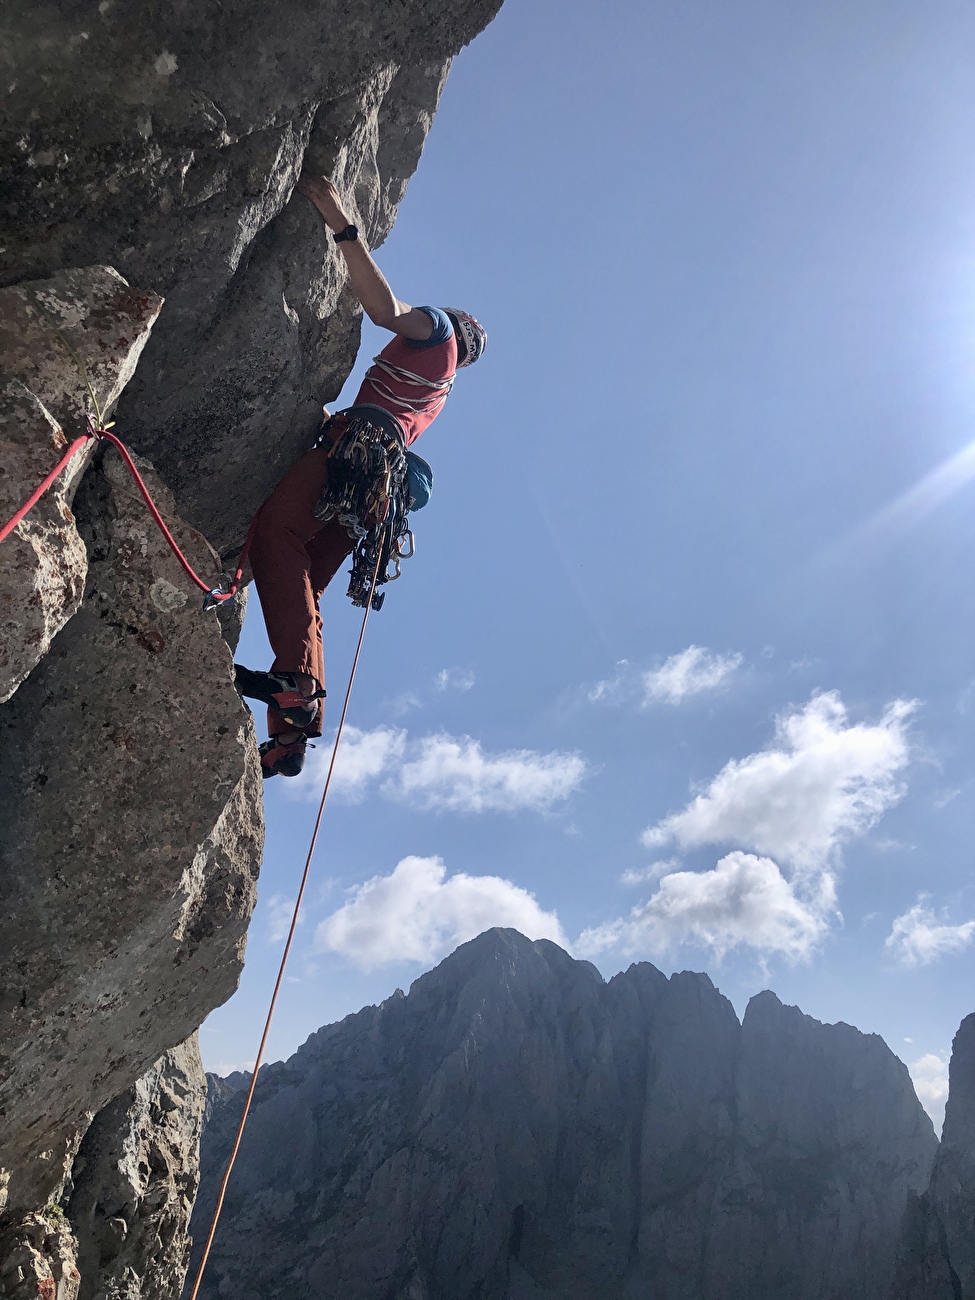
{"x": 279, "y": 759}
{"x": 281, "y": 692}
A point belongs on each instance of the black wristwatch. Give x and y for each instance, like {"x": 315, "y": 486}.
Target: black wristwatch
{"x": 350, "y": 233}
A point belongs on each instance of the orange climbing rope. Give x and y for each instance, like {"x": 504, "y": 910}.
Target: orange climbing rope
{"x": 287, "y": 947}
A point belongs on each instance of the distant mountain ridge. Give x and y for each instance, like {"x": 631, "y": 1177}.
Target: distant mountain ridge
{"x": 518, "y": 1128}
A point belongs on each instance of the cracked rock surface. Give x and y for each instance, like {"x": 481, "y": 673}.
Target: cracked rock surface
{"x": 165, "y": 141}
{"x": 134, "y": 1181}
{"x": 517, "y": 1128}
{"x": 130, "y": 837}
{"x": 93, "y": 314}
{"x": 161, "y": 144}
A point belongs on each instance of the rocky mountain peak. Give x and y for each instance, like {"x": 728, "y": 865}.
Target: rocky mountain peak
{"x": 517, "y": 1126}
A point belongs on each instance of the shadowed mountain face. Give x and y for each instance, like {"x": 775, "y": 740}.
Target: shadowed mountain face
{"x": 937, "y": 1259}
{"x": 516, "y": 1127}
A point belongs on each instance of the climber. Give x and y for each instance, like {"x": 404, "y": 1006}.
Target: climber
{"x": 325, "y": 507}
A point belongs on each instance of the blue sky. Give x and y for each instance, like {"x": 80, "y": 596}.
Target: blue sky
{"x": 683, "y": 669}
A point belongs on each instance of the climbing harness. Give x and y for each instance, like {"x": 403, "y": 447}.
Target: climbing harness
{"x": 367, "y": 605}
{"x": 438, "y": 390}
{"x": 367, "y": 480}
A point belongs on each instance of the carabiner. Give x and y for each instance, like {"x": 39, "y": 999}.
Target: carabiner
{"x": 210, "y": 599}
{"x": 406, "y": 555}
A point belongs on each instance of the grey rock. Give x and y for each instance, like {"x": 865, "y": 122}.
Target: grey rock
{"x": 95, "y": 315}
{"x": 230, "y": 617}
{"x": 166, "y": 141}
{"x": 937, "y": 1259}
{"x": 516, "y": 1127}
{"x": 134, "y": 1182}
{"x": 38, "y": 1257}
{"x": 131, "y": 832}
{"x": 163, "y": 140}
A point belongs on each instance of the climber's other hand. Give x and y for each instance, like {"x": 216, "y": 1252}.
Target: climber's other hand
{"x": 326, "y": 199}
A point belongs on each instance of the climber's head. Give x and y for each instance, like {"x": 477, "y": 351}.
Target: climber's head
{"x": 470, "y": 334}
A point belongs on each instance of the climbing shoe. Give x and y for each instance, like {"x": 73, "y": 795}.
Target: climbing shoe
{"x": 279, "y": 759}
{"x": 281, "y": 692}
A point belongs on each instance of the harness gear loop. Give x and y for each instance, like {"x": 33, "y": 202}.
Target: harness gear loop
{"x": 367, "y": 480}
{"x": 218, "y": 1207}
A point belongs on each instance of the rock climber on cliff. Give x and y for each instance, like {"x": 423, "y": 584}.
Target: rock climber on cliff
{"x": 349, "y": 493}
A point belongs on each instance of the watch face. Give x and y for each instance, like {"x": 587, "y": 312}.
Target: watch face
{"x": 349, "y": 233}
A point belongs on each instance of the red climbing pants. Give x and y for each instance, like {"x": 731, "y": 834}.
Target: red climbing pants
{"x": 294, "y": 557}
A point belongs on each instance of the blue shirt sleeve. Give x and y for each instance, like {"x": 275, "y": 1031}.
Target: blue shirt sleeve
{"x": 442, "y": 329}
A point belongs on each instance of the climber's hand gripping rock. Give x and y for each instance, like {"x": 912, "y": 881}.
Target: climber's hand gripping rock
{"x": 368, "y": 283}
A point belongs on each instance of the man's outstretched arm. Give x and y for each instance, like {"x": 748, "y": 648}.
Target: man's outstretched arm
{"x": 369, "y": 284}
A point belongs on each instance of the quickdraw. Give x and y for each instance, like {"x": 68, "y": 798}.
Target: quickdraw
{"x": 367, "y": 481}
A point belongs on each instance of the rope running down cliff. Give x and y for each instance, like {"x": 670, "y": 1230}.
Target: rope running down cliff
{"x": 287, "y": 947}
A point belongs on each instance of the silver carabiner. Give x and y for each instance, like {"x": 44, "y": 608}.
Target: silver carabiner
{"x": 394, "y": 560}
{"x": 406, "y": 555}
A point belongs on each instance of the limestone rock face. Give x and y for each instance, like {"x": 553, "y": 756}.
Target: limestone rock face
{"x": 937, "y": 1260}
{"x": 37, "y": 1258}
{"x": 95, "y": 315}
{"x": 165, "y": 141}
{"x": 134, "y": 1182}
{"x": 517, "y": 1128}
{"x": 130, "y": 836}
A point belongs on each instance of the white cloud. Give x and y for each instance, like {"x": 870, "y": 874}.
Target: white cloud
{"x": 614, "y": 689}
{"x": 930, "y": 1076}
{"x": 654, "y": 871}
{"x": 455, "y": 679}
{"x": 690, "y": 672}
{"x": 917, "y": 938}
{"x": 821, "y": 782}
{"x": 440, "y": 772}
{"x": 745, "y": 900}
{"x": 363, "y": 756}
{"x": 418, "y": 914}
{"x": 280, "y": 910}
{"x": 456, "y": 774}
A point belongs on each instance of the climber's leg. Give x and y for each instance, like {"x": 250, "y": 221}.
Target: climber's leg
{"x": 326, "y": 551}
{"x": 282, "y": 566}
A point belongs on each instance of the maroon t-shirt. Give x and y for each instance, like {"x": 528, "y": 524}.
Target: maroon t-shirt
{"x": 415, "y": 404}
